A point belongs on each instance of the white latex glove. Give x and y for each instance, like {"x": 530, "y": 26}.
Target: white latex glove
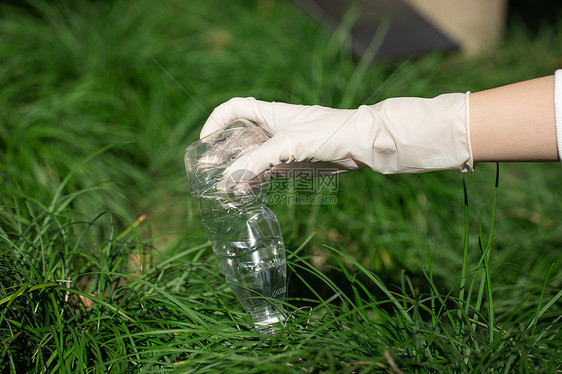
{"x": 398, "y": 135}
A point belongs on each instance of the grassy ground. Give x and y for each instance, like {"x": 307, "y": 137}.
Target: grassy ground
{"x": 104, "y": 265}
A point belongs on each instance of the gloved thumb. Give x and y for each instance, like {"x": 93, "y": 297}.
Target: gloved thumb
{"x": 250, "y": 171}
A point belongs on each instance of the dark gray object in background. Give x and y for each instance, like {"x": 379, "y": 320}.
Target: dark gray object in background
{"x": 405, "y": 32}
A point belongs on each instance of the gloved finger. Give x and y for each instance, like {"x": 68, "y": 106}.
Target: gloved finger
{"x": 236, "y": 108}
{"x": 224, "y": 145}
{"x": 258, "y": 162}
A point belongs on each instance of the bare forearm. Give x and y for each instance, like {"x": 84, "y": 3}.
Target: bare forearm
{"x": 514, "y": 122}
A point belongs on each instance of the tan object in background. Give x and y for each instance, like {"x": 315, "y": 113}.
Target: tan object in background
{"x": 477, "y": 25}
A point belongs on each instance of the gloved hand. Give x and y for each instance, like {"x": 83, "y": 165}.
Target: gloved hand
{"x": 398, "y": 135}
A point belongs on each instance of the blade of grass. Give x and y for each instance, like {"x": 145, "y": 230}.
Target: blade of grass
{"x": 464, "y": 265}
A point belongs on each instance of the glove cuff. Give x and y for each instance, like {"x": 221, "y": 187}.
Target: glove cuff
{"x": 470, "y": 163}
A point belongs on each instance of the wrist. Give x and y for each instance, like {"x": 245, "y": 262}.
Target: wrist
{"x": 514, "y": 122}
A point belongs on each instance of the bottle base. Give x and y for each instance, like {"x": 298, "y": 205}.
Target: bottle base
{"x": 270, "y": 325}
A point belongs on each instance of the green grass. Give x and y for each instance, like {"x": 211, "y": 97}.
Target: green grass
{"x": 104, "y": 264}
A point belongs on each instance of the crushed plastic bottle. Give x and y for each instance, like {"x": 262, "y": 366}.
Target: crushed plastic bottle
{"x": 245, "y": 234}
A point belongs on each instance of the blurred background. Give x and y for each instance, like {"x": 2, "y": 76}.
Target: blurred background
{"x": 99, "y": 99}
{"x": 409, "y": 28}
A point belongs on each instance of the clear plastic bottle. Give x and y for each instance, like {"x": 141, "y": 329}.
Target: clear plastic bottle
{"x": 245, "y": 234}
